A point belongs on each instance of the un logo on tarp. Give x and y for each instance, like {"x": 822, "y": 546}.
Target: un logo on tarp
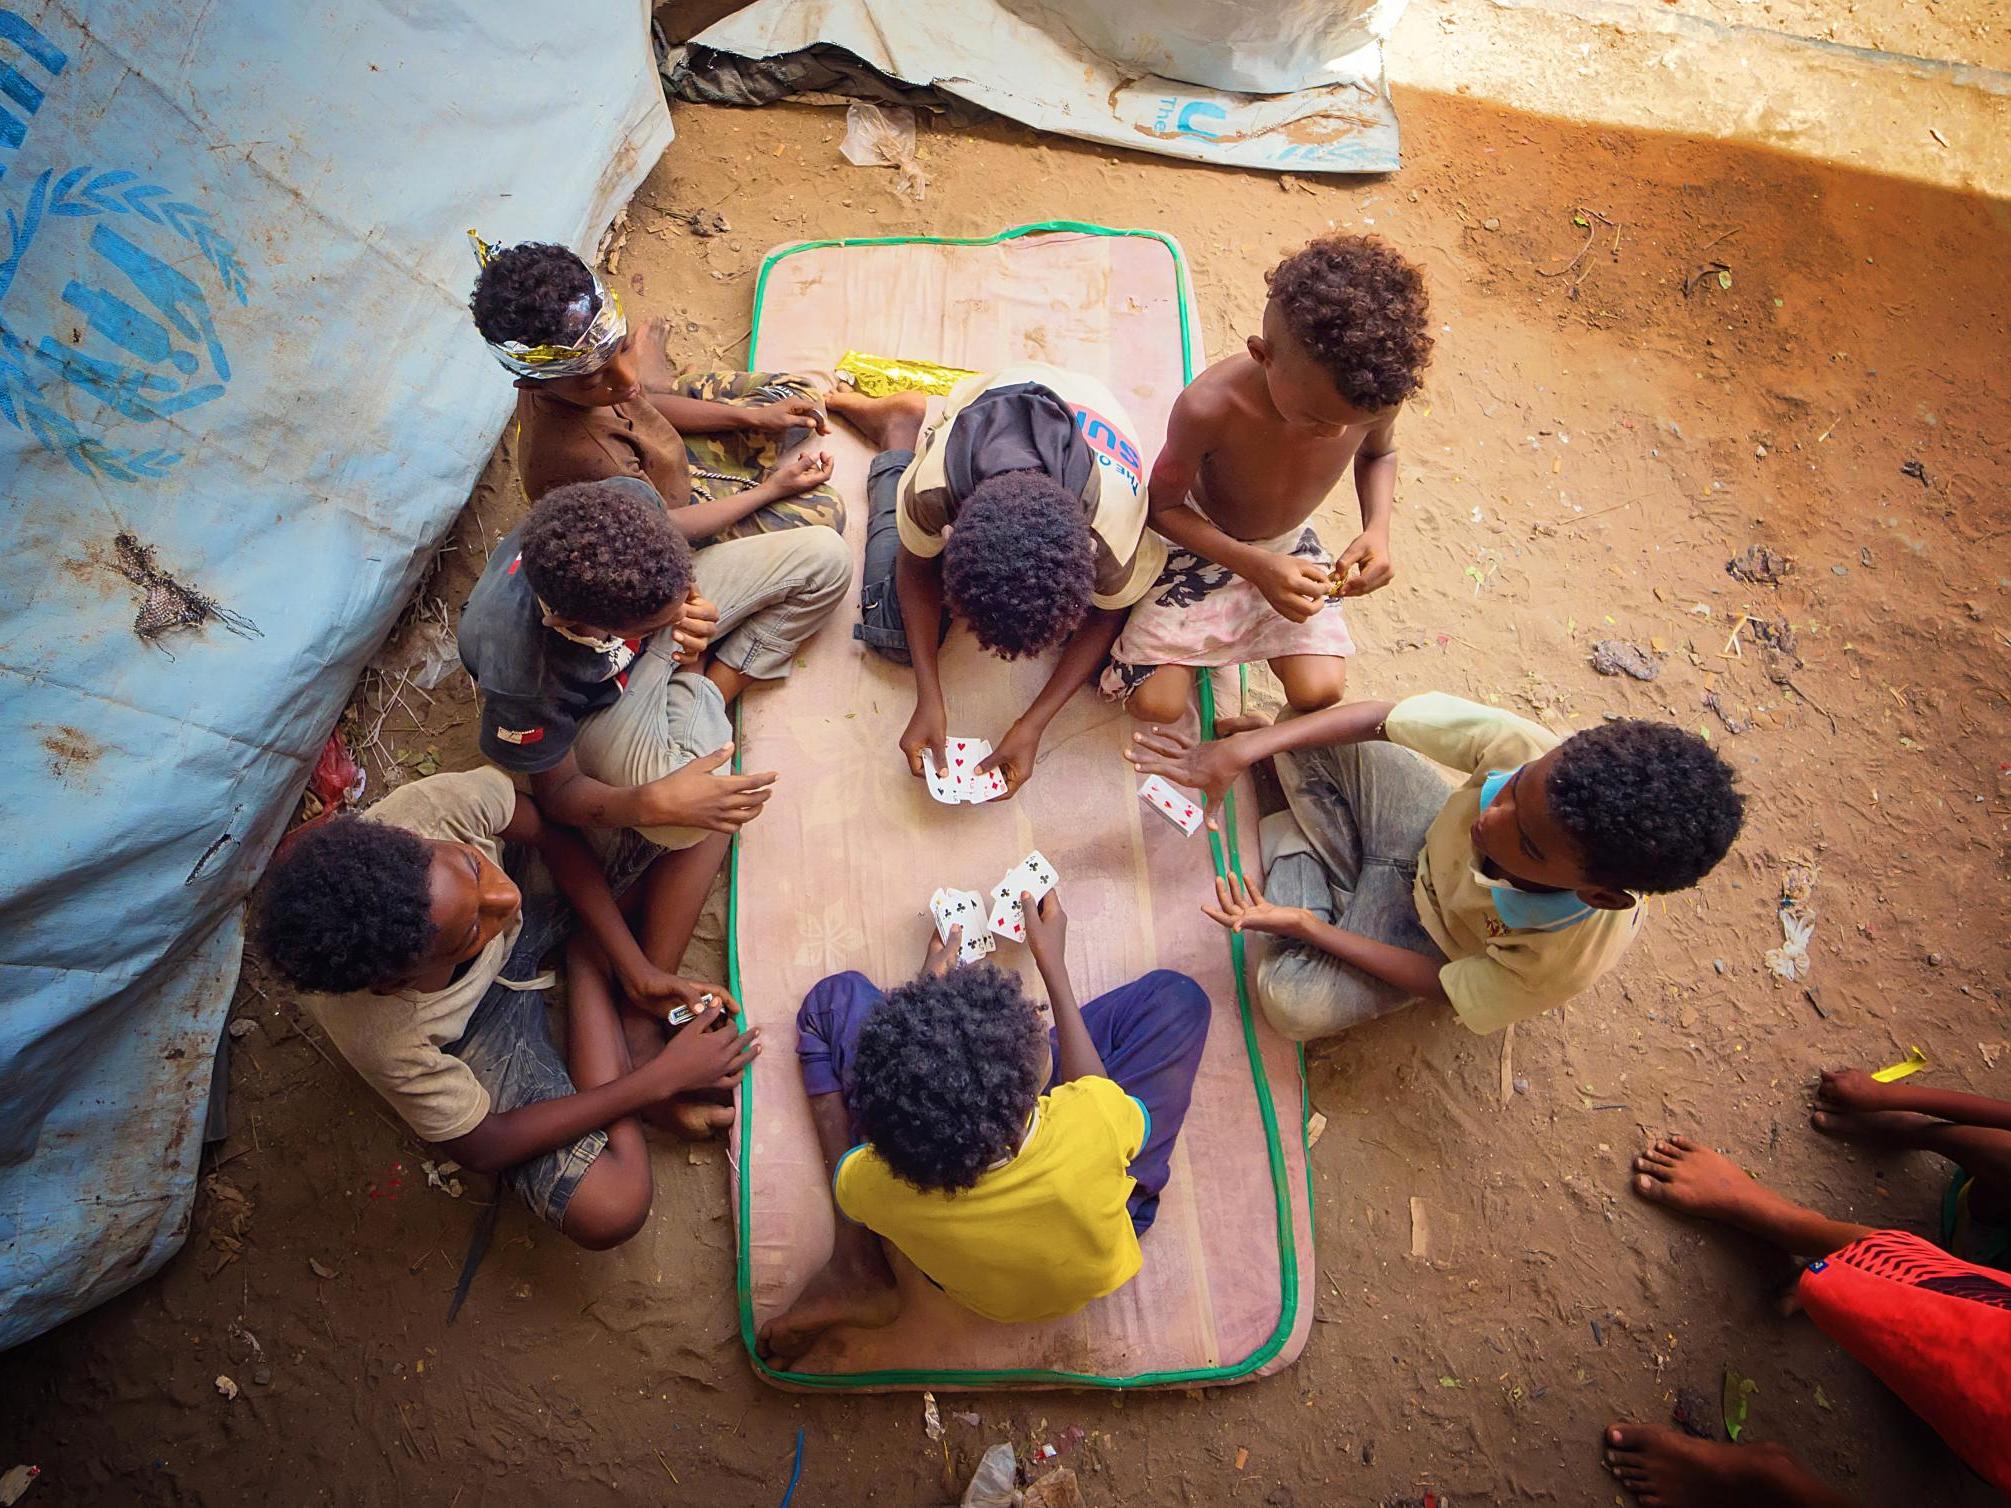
{"x": 132, "y": 328}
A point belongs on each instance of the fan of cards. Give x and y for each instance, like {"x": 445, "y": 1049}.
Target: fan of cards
{"x": 963, "y": 781}
{"x": 1032, "y": 876}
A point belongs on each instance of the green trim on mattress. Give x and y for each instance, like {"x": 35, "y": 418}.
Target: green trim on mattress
{"x": 1225, "y": 858}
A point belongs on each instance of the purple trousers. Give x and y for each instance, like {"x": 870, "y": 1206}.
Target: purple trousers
{"x": 1149, "y": 1034}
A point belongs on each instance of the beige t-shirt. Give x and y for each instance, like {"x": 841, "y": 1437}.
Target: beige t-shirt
{"x": 1129, "y": 556}
{"x": 1497, "y": 975}
{"x": 395, "y": 1040}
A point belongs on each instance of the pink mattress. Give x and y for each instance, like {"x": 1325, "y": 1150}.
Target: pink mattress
{"x": 838, "y": 871}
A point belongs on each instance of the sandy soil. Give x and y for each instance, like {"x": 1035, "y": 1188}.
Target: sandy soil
{"x": 1593, "y": 446}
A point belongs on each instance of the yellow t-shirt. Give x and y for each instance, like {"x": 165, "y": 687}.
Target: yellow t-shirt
{"x": 1034, "y": 1239}
{"x": 1129, "y": 556}
{"x": 1496, "y": 975}
{"x": 395, "y": 1040}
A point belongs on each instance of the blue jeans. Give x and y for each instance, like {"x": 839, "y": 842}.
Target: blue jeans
{"x": 1149, "y": 1034}
{"x": 879, "y": 626}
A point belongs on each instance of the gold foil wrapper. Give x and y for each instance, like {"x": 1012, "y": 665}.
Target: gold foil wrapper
{"x": 880, "y": 376}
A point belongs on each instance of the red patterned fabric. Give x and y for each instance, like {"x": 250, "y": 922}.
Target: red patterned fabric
{"x": 1935, "y": 1329}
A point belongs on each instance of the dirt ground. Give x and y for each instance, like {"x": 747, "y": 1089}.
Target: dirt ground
{"x": 1595, "y": 442}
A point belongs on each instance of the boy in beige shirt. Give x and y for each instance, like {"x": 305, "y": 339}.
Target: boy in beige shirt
{"x": 423, "y": 957}
{"x": 1503, "y": 897}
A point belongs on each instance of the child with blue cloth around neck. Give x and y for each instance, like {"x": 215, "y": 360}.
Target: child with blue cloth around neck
{"x": 1503, "y": 897}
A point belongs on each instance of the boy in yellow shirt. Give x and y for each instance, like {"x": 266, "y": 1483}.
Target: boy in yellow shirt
{"x": 1503, "y": 897}
{"x": 1023, "y": 1203}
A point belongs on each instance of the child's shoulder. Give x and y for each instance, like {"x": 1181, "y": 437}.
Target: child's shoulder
{"x": 1221, "y": 392}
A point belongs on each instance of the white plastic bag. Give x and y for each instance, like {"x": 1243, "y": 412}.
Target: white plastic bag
{"x": 877, "y": 138}
{"x": 995, "y": 1483}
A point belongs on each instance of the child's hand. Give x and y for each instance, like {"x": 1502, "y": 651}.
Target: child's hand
{"x": 1372, "y": 553}
{"x": 1046, "y": 928}
{"x": 927, "y": 729}
{"x": 790, "y": 413}
{"x": 1295, "y": 586}
{"x": 708, "y": 1054}
{"x": 695, "y": 797}
{"x": 693, "y": 629}
{"x": 1210, "y": 768}
{"x": 1014, "y": 756}
{"x": 659, "y": 992}
{"x": 1240, "y": 906}
{"x": 805, "y": 470}
{"x": 942, "y": 952}
{"x": 1852, "y": 1089}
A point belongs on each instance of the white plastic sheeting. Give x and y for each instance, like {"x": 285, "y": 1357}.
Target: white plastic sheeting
{"x": 1114, "y": 70}
{"x": 233, "y": 326}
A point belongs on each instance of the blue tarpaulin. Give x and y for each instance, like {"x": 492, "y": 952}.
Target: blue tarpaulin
{"x": 233, "y": 331}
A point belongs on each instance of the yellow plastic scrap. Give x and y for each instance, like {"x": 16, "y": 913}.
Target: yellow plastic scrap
{"x": 880, "y": 376}
{"x": 1913, "y": 1062}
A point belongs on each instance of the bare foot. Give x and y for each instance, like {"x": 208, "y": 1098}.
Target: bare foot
{"x": 688, "y": 1117}
{"x": 1665, "y": 1468}
{"x": 1226, "y": 727}
{"x": 890, "y": 423}
{"x": 1684, "y": 1176}
{"x": 1888, "y": 1128}
{"x": 842, "y": 1293}
{"x": 652, "y": 346}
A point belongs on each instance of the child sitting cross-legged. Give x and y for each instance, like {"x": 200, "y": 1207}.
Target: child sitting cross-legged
{"x": 422, "y": 957}
{"x": 1015, "y": 1167}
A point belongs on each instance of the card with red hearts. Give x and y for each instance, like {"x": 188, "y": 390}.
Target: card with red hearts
{"x": 1171, "y": 803}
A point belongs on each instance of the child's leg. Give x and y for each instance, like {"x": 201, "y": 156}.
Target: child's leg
{"x": 1678, "y": 1173}
{"x": 611, "y": 1200}
{"x": 1163, "y": 696}
{"x": 1149, "y": 1034}
{"x": 772, "y": 591}
{"x": 1311, "y": 681}
{"x": 1983, "y": 1152}
{"x": 856, "y": 1287}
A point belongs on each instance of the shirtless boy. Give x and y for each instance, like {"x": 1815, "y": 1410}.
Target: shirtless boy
{"x": 1254, "y": 445}
{"x": 597, "y": 399}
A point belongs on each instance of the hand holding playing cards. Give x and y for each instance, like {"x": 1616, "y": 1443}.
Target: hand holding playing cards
{"x": 695, "y": 797}
{"x": 790, "y": 413}
{"x": 942, "y": 951}
{"x": 1014, "y": 757}
{"x": 1295, "y": 586}
{"x": 708, "y": 1054}
{"x": 1046, "y": 929}
{"x": 1240, "y": 906}
{"x": 693, "y": 629}
{"x": 659, "y": 992}
{"x": 928, "y": 730}
{"x": 1210, "y": 768}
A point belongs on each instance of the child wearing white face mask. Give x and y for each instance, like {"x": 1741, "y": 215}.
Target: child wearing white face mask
{"x": 1503, "y": 897}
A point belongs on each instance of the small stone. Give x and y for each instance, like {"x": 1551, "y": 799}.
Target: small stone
{"x": 241, "y": 1028}
{"x": 226, "y": 1387}
{"x": 1490, "y": 223}
{"x": 1718, "y": 964}
{"x": 1759, "y": 452}
{"x": 1839, "y": 570}
{"x": 1934, "y": 960}
{"x": 1521, "y": 1084}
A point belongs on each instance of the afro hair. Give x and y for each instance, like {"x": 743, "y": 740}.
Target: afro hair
{"x": 1360, "y": 311}
{"x": 1020, "y": 564}
{"x": 348, "y": 904}
{"x": 533, "y": 294}
{"x": 605, "y": 553}
{"x": 945, "y": 1074}
{"x": 1651, "y": 807}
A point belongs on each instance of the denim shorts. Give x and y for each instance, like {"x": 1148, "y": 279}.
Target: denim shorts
{"x": 508, "y": 1044}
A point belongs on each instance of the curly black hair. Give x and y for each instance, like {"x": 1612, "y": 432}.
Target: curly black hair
{"x": 1020, "y": 564}
{"x": 945, "y": 1074}
{"x": 1360, "y": 311}
{"x": 348, "y": 904}
{"x": 605, "y": 553}
{"x": 531, "y": 294}
{"x": 1651, "y": 807}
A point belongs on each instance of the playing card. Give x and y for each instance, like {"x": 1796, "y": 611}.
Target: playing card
{"x": 943, "y": 785}
{"x": 1033, "y": 876}
{"x": 976, "y": 945}
{"x": 1006, "y": 919}
{"x": 939, "y": 909}
{"x": 984, "y": 785}
{"x": 1168, "y": 801}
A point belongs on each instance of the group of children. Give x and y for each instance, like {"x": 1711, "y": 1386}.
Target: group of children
{"x": 684, "y": 542}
